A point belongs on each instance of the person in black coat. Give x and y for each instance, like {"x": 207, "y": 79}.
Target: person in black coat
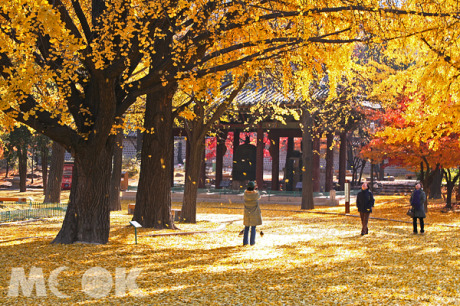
{"x": 364, "y": 203}
{"x": 417, "y": 201}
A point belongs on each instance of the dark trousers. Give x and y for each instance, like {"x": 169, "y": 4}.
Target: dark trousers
{"x": 414, "y": 223}
{"x": 364, "y": 220}
{"x": 246, "y": 234}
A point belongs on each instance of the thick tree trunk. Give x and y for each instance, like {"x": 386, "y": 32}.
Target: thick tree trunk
{"x": 316, "y": 164}
{"x": 53, "y": 190}
{"x": 88, "y": 217}
{"x": 44, "y": 155}
{"x": 22, "y": 152}
{"x": 153, "y": 199}
{"x": 115, "y": 203}
{"x": 427, "y": 180}
{"x": 382, "y": 171}
{"x": 435, "y": 190}
{"x": 192, "y": 174}
{"x": 329, "y": 162}
{"x": 307, "y": 161}
{"x": 342, "y": 160}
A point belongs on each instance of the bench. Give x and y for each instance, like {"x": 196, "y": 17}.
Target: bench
{"x": 224, "y": 184}
{"x": 176, "y": 213}
{"x": 17, "y": 200}
{"x": 131, "y": 208}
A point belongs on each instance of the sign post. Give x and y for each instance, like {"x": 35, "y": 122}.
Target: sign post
{"x": 136, "y": 225}
{"x": 347, "y": 197}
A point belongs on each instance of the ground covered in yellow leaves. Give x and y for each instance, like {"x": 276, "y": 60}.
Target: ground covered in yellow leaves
{"x": 315, "y": 258}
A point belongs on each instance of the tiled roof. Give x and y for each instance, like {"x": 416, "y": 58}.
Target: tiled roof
{"x": 257, "y": 93}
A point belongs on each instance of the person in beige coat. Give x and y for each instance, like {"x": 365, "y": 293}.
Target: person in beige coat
{"x": 252, "y": 213}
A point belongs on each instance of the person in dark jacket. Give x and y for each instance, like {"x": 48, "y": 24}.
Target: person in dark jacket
{"x": 364, "y": 203}
{"x": 417, "y": 201}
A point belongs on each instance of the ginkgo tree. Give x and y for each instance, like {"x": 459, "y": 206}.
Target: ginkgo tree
{"x": 71, "y": 69}
{"x": 402, "y": 143}
{"x": 202, "y": 109}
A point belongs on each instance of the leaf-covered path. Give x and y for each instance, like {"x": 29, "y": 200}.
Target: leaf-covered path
{"x": 303, "y": 258}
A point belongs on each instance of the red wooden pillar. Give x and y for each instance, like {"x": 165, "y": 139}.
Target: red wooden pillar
{"x": 236, "y": 143}
{"x": 236, "y": 139}
{"x": 220, "y": 152}
{"x": 275, "y": 154}
{"x": 316, "y": 163}
{"x": 260, "y": 158}
{"x": 290, "y": 147}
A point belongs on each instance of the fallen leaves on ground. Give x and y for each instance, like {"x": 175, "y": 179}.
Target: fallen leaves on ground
{"x": 315, "y": 257}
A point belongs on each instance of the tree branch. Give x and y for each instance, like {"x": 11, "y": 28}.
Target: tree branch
{"x": 224, "y": 105}
{"x": 83, "y": 21}
{"x": 65, "y": 17}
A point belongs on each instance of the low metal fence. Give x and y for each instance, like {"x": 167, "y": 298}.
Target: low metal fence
{"x": 17, "y": 212}
{"x": 297, "y": 193}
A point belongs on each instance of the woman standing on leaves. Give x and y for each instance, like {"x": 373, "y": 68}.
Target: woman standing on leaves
{"x": 364, "y": 202}
{"x": 252, "y": 213}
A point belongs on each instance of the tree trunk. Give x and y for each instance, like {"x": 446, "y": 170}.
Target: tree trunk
{"x": 422, "y": 174}
{"x": 7, "y": 167}
{"x": 361, "y": 170}
{"x": 44, "y": 154}
{"x": 192, "y": 174}
{"x": 53, "y": 190}
{"x": 316, "y": 164}
{"x": 450, "y": 184}
{"x": 450, "y": 188}
{"x": 32, "y": 166}
{"x": 115, "y": 203}
{"x": 202, "y": 177}
{"x": 88, "y": 217}
{"x": 220, "y": 153}
{"x": 139, "y": 141}
{"x": 307, "y": 161}
{"x": 342, "y": 160}
{"x": 428, "y": 180}
{"x": 153, "y": 199}
{"x": 435, "y": 190}
{"x": 22, "y": 154}
{"x": 382, "y": 171}
{"x": 329, "y": 162}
